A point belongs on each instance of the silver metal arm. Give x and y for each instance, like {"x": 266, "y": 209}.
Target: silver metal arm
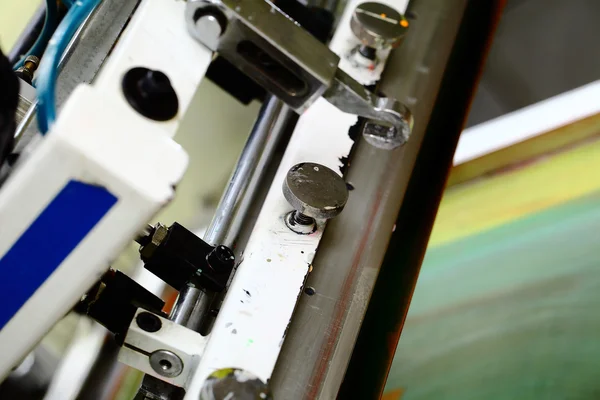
{"x": 280, "y": 55}
{"x": 392, "y": 120}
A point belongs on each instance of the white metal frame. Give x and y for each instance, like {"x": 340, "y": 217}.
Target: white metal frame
{"x": 100, "y": 140}
{"x": 185, "y": 343}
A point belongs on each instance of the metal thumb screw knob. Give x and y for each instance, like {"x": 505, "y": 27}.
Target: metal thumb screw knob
{"x": 378, "y": 25}
{"x": 315, "y": 190}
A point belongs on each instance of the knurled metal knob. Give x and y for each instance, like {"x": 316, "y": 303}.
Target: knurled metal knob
{"x": 378, "y": 25}
{"x": 315, "y": 191}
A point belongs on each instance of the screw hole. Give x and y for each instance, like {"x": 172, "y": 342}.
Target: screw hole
{"x": 165, "y": 364}
{"x": 349, "y": 186}
{"x": 310, "y": 290}
{"x": 148, "y": 322}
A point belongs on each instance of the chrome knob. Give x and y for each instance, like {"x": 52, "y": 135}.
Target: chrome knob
{"x": 377, "y": 25}
{"x": 315, "y": 192}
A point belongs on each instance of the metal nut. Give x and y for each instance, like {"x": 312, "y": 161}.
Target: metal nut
{"x": 160, "y": 233}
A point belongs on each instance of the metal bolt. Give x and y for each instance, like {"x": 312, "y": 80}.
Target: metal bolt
{"x": 148, "y": 322}
{"x": 166, "y": 363}
{"x": 159, "y": 233}
{"x": 206, "y": 23}
{"x": 30, "y": 65}
{"x": 378, "y": 25}
{"x": 300, "y": 223}
{"x": 150, "y": 93}
{"x": 209, "y": 27}
{"x": 221, "y": 259}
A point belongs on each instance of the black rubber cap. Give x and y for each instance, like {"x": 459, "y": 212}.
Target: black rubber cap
{"x": 150, "y": 93}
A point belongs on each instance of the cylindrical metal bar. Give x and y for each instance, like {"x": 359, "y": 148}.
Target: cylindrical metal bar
{"x": 268, "y": 122}
{"x": 193, "y": 304}
{"x": 325, "y": 326}
{"x": 376, "y": 345}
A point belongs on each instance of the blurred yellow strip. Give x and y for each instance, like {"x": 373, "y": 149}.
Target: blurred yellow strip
{"x": 474, "y": 207}
{"x": 546, "y": 142}
{"x": 14, "y": 16}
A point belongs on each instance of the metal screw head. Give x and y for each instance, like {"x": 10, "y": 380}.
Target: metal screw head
{"x": 148, "y": 322}
{"x": 315, "y": 190}
{"x": 150, "y": 93}
{"x": 208, "y": 27}
{"x": 378, "y": 25}
{"x": 221, "y": 259}
{"x": 205, "y": 22}
{"x": 166, "y": 363}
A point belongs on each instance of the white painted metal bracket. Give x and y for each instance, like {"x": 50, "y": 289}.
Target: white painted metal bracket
{"x": 156, "y": 38}
{"x": 50, "y": 253}
{"x": 100, "y": 141}
{"x": 142, "y": 349}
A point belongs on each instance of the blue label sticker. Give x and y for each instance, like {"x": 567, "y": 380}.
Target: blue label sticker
{"x": 54, "y": 234}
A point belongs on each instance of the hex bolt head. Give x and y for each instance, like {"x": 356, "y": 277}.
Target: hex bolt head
{"x": 221, "y": 259}
{"x": 378, "y": 25}
{"x": 315, "y": 190}
{"x": 150, "y": 93}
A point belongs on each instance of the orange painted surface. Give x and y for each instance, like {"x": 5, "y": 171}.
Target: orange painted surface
{"x": 393, "y": 395}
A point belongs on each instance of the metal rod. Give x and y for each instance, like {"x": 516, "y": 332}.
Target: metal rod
{"x": 268, "y": 122}
{"x": 190, "y": 310}
{"x": 25, "y": 121}
{"x": 325, "y": 325}
{"x": 193, "y": 304}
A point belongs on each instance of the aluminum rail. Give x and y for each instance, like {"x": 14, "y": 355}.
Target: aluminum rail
{"x": 326, "y": 324}
{"x": 374, "y": 351}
